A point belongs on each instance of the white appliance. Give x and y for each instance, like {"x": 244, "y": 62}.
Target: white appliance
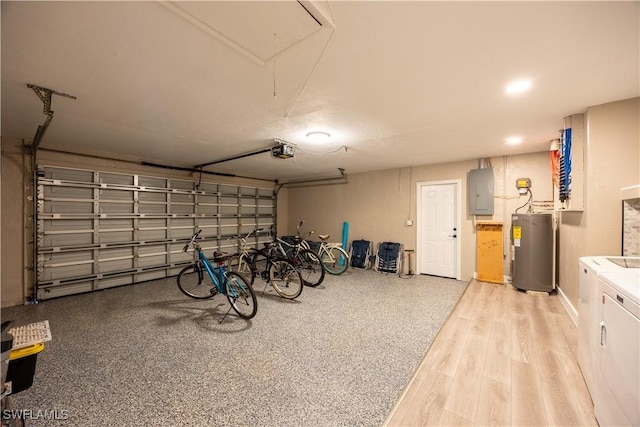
{"x": 617, "y": 389}
{"x": 588, "y": 321}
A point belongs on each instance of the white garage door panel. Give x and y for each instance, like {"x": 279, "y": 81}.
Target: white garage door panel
{"x": 182, "y": 232}
{"x": 60, "y": 290}
{"x": 211, "y": 199}
{"x": 180, "y": 184}
{"x": 247, "y": 210}
{"x": 121, "y": 195}
{"x": 116, "y": 208}
{"x": 110, "y": 282}
{"x": 103, "y": 229}
{"x": 151, "y": 260}
{"x": 115, "y": 259}
{"x": 185, "y": 198}
{"x": 69, "y": 207}
{"x": 116, "y": 178}
{"x": 115, "y": 236}
{"x": 63, "y": 174}
{"x": 208, "y": 210}
{"x": 150, "y": 229}
{"x": 177, "y": 256}
{"x": 228, "y": 210}
{"x": 208, "y": 223}
{"x": 60, "y": 191}
{"x": 60, "y": 265}
{"x": 181, "y": 209}
{"x": 153, "y": 182}
{"x": 149, "y": 196}
{"x": 152, "y": 209}
{"x": 149, "y": 250}
{"x": 67, "y": 239}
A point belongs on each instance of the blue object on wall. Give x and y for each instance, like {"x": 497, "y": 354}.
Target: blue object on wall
{"x": 564, "y": 185}
{"x": 345, "y": 235}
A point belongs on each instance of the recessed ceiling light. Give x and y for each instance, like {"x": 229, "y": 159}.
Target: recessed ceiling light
{"x": 318, "y": 136}
{"x": 514, "y": 140}
{"x": 518, "y": 86}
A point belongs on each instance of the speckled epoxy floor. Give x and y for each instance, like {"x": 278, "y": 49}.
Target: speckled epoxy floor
{"x": 339, "y": 355}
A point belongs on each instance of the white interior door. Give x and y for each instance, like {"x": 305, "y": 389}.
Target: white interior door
{"x": 438, "y": 229}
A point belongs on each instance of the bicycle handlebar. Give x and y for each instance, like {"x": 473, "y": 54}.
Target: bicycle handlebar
{"x": 242, "y": 240}
{"x": 191, "y": 241}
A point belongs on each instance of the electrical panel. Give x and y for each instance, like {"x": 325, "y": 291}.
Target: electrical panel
{"x": 481, "y": 191}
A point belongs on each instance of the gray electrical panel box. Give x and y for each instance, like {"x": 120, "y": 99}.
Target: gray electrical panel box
{"x": 481, "y": 191}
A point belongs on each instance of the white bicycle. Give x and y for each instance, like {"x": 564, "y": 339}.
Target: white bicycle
{"x": 335, "y": 260}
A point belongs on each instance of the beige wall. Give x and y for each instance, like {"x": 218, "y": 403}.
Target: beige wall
{"x": 612, "y": 150}
{"x": 378, "y": 204}
{"x": 13, "y": 268}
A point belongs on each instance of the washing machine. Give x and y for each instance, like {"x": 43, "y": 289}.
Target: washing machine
{"x": 588, "y": 323}
{"x": 617, "y": 384}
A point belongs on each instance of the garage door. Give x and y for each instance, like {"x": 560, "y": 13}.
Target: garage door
{"x": 100, "y": 229}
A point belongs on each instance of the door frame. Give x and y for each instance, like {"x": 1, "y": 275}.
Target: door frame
{"x": 419, "y": 222}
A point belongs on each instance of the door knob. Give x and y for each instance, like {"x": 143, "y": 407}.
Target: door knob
{"x": 453, "y": 235}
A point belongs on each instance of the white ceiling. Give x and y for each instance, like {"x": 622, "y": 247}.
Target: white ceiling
{"x": 398, "y": 83}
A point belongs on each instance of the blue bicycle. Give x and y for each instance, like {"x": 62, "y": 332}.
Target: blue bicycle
{"x": 194, "y": 283}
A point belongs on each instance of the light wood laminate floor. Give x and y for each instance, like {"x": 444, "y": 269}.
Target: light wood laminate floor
{"x": 503, "y": 358}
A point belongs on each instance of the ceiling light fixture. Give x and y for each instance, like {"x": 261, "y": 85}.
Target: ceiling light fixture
{"x": 519, "y": 86}
{"x": 514, "y": 140}
{"x": 318, "y": 136}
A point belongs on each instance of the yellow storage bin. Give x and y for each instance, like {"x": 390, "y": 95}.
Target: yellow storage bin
{"x": 22, "y": 367}
{"x": 489, "y": 251}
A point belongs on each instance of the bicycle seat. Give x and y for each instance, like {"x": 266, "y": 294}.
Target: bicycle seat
{"x": 220, "y": 257}
{"x": 323, "y": 237}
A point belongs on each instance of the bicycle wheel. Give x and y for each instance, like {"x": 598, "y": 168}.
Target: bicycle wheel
{"x": 194, "y": 282}
{"x": 335, "y": 260}
{"x": 310, "y": 267}
{"x": 260, "y": 261}
{"x": 242, "y": 264}
{"x": 240, "y": 295}
{"x": 285, "y": 279}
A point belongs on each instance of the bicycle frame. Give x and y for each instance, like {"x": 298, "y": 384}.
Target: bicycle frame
{"x": 324, "y": 246}
{"x": 213, "y": 272}
{"x": 295, "y": 247}
{"x": 218, "y": 275}
{"x": 327, "y": 253}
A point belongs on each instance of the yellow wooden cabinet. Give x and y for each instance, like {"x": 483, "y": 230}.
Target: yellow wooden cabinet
{"x": 489, "y": 251}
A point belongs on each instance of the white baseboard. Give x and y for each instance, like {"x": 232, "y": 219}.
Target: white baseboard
{"x": 571, "y": 310}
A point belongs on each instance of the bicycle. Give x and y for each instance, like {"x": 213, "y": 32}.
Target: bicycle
{"x": 305, "y": 259}
{"x": 334, "y": 259}
{"x": 280, "y": 273}
{"x": 193, "y": 282}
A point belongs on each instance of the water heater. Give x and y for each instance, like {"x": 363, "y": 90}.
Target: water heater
{"x": 532, "y": 251}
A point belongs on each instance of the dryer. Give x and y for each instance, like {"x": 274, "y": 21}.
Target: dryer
{"x": 617, "y": 389}
{"x": 588, "y": 324}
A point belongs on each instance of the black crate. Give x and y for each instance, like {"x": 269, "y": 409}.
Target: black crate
{"x": 22, "y": 367}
